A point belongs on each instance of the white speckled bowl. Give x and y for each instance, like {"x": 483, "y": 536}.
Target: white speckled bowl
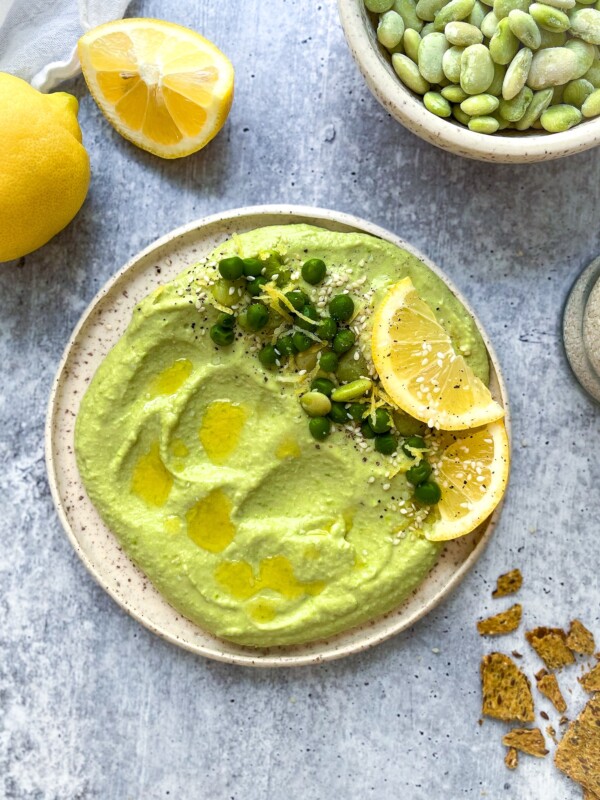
{"x": 100, "y": 327}
{"x": 405, "y": 106}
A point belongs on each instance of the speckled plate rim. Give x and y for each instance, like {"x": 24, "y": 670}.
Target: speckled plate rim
{"x": 405, "y": 107}
{"x": 352, "y": 641}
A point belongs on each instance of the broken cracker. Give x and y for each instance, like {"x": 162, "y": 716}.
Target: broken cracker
{"x": 591, "y": 680}
{"x": 589, "y": 795}
{"x": 509, "y": 583}
{"x": 578, "y": 754}
{"x": 580, "y": 640}
{"x": 549, "y": 644}
{"x": 548, "y": 686}
{"x": 506, "y": 690}
{"x": 504, "y": 622}
{"x": 527, "y": 740}
{"x": 511, "y": 759}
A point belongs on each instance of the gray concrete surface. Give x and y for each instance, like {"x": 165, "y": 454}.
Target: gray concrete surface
{"x": 94, "y": 706}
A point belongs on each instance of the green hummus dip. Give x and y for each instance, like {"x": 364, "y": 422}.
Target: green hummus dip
{"x": 202, "y": 464}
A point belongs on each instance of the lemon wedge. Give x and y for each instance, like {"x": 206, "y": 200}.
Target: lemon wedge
{"x": 419, "y": 368}
{"x": 162, "y": 86}
{"x": 471, "y": 468}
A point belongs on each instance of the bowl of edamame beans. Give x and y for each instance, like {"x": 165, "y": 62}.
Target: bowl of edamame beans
{"x": 495, "y": 80}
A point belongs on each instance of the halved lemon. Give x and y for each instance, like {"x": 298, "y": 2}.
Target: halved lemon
{"x": 419, "y": 368}
{"x": 162, "y": 86}
{"x": 471, "y": 468}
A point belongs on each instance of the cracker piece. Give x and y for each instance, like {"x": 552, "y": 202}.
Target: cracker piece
{"x": 591, "y": 680}
{"x": 548, "y": 686}
{"x": 549, "y": 644}
{"x": 589, "y": 796}
{"x": 511, "y": 759}
{"x": 506, "y": 690}
{"x": 504, "y": 622}
{"x": 527, "y": 740}
{"x": 509, "y": 583}
{"x": 580, "y": 640}
{"x": 578, "y": 754}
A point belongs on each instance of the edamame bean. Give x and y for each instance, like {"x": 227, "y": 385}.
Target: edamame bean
{"x": 513, "y": 110}
{"x": 427, "y": 29}
{"x": 560, "y": 118}
{"x": 451, "y": 63}
{"x": 315, "y": 404}
{"x": 564, "y": 5}
{"x": 437, "y": 104}
{"x": 489, "y": 25}
{"x": 460, "y": 116}
{"x": 379, "y": 6}
{"x": 557, "y": 95}
{"x": 593, "y": 74}
{"x": 409, "y": 74}
{"x": 427, "y": 9}
{"x": 408, "y": 11}
{"x": 585, "y": 54}
{"x": 480, "y": 105}
{"x": 541, "y": 101}
{"x": 549, "y": 18}
{"x": 502, "y": 8}
{"x": 351, "y": 391}
{"x": 411, "y": 41}
{"x": 462, "y": 34}
{"x": 453, "y": 93}
{"x": 503, "y": 44}
{"x": 577, "y": 92}
{"x": 525, "y": 28}
{"x": 585, "y": 24}
{"x": 552, "y": 67}
{"x": 476, "y": 69}
{"x": 591, "y": 107}
{"x": 483, "y": 124}
{"x": 551, "y": 39}
{"x": 476, "y": 16}
{"x": 390, "y": 29}
{"x": 453, "y": 11}
{"x": 431, "y": 53}
{"x": 516, "y": 74}
{"x": 495, "y": 86}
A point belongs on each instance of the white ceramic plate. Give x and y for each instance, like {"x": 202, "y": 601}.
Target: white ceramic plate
{"x": 98, "y": 330}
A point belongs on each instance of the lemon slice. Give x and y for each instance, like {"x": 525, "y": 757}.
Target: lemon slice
{"x": 162, "y": 86}
{"x": 419, "y": 368}
{"x": 471, "y": 468}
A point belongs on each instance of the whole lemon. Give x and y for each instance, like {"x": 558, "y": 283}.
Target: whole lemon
{"x": 44, "y": 168}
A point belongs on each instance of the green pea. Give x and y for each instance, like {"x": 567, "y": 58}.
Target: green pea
{"x": 341, "y": 307}
{"x": 297, "y": 298}
{"x": 221, "y": 336}
{"x": 419, "y": 472}
{"x": 479, "y": 105}
{"x": 316, "y": 404}
{"x": 338, "y": 414}
{"x": 323, "y": 385}
{"x": 320, "y": 428}
{"x": 356, "y": 411}
{"x": 301, "y": 341}
{"x": 285, "y": 345}
{"x": 591, "y": 107}
{"x": 328, "y": 361}
{"x": 405, "y": 424}
{"x": 268, "y": 356}
{"x": 351, "y": 391}
{"x": 226, "y": 320}
{"x": 252, "y": 267}
{"x": 313, "y": 271}
{"x": 411, "y": 41}
{"x": 560, "y": 118}
{"x": 255, "y": 287}
{"x": 484, "y": 124}
{"x": 413, "y": 443}
{"x": 327, "y": 329}
{"x": 437, "y": 104}
{"x": 312, "y": 314}
{"x": 351, "y": 368}
{"x": 409, "y": 74}
{"x": 367, "y": 431}
{"x": 381, "y": 421}
{"x": 343, "y": 341}
{"x": 231, "y": 268}
{"x": 576, "y": 92}
{"x": 390, "y": 29}
{"x": 257, "y": 316}
{"x": 273, "y": 266}
{"x": 428, "y": 493}
{"x": 386, "y": 444}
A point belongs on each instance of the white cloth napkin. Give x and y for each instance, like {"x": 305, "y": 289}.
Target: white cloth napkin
{"x": 38, "y": 38}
